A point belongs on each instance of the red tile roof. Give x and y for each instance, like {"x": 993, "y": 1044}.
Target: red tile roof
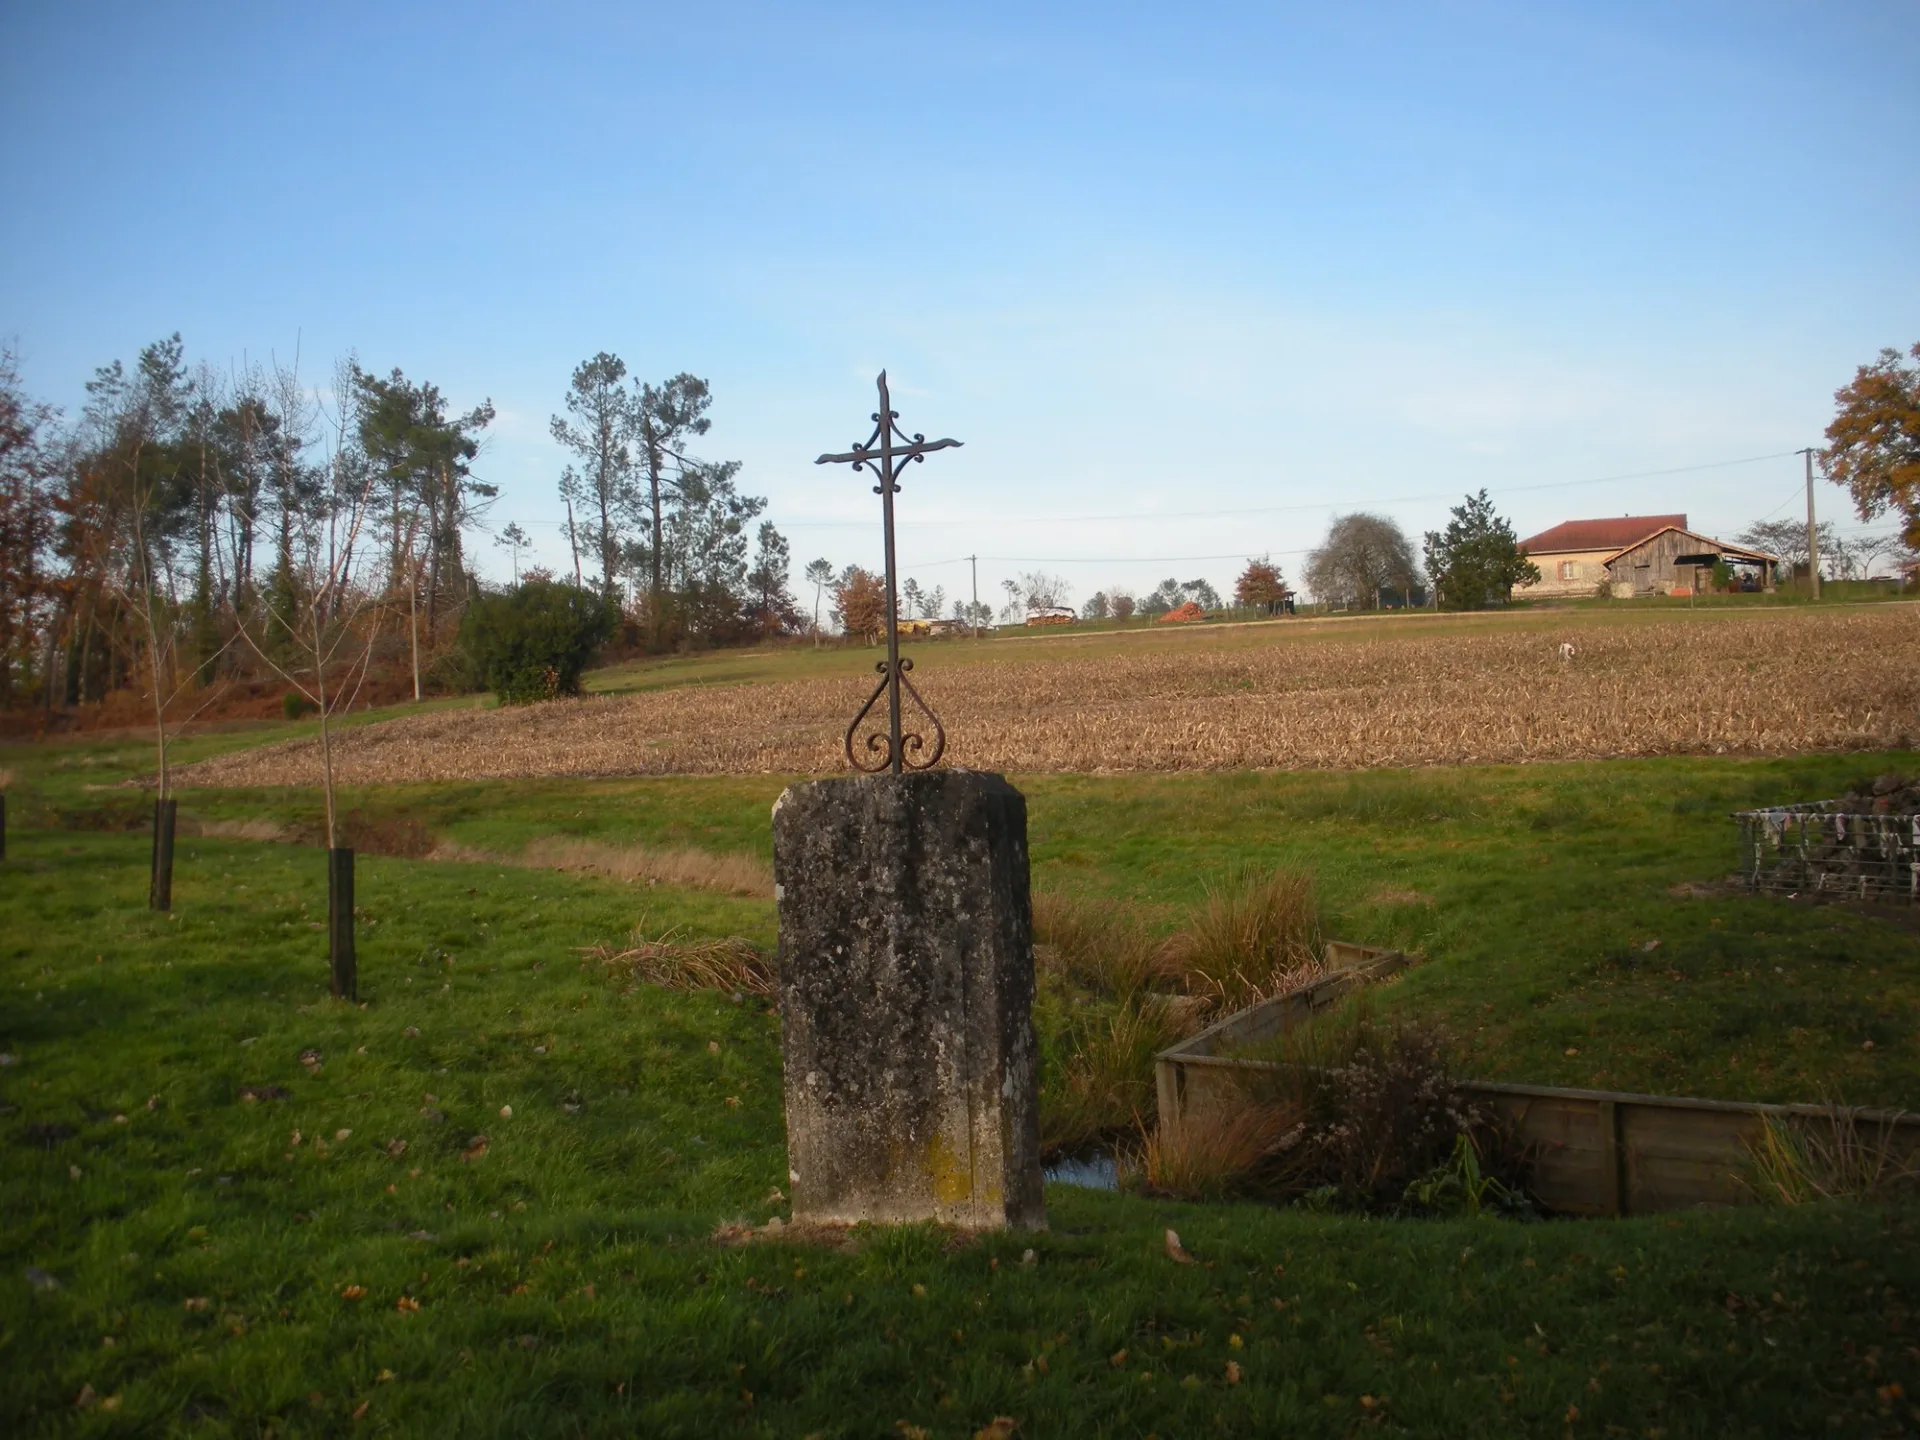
{"x": 1609, "y": 534}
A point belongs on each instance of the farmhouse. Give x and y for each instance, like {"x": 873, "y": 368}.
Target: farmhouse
{"x": 1573, "y": 555}
{"x": 1677, "y": 561}
{"x": 1638, "y": 555}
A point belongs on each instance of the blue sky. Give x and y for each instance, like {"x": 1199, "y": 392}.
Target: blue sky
{"x": 1209, "y": 273}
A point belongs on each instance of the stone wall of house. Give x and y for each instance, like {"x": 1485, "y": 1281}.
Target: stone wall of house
{"x": 1577, "y": 573}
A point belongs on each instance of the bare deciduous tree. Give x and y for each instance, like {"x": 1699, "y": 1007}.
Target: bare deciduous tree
{"x": 1362, "y": 557}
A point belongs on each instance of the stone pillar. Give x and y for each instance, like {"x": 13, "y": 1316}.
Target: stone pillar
{"x": 906, "y": 1000}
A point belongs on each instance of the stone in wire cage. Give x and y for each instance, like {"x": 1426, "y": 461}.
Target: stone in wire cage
{"x": 1831, "y": 847}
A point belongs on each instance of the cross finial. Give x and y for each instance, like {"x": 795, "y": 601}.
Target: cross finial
{"x": 886, "y": 450}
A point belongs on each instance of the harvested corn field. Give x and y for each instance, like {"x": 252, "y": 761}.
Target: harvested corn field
{"x": 1762, "y": 684}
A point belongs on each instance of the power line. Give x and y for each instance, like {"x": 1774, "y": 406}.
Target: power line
{"x": 1311, "y": 505}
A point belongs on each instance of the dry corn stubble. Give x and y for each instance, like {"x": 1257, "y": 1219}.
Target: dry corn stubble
{"x": 1762, "y": 684}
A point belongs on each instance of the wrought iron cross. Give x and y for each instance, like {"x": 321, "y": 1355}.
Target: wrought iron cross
{"x": 887, "y": 450}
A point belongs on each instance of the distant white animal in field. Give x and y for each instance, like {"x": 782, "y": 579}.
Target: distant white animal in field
{"x": 1566, "y": 650}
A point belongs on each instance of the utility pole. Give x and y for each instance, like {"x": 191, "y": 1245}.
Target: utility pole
{"x": 974, "y": 614}
{"x": 575, "y": 544}
{"x": 1813, "y": 542}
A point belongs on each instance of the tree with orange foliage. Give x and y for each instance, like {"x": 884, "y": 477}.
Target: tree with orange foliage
{"x": 1873, "y": 444}
{"x": 860, "y": 603}
{"x": 1261, "y": 586}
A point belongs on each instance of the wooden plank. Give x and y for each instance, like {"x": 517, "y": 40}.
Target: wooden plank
{"x": 1169, "y": 1085}
{"x": 1596, "y": 1152}
{"x": 1611, "y": 1163}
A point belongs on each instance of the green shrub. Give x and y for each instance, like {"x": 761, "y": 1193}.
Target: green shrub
{"x": 293, "y": 705}
{"x": 532, "y": 642}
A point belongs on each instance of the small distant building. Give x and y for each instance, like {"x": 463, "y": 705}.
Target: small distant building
{"x": 1053, "y": 615}
{"x": 1678, "y": 561}
{"x": 1573, "y": 555}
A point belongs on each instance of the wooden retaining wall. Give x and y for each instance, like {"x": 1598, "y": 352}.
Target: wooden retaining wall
{"x": 1596, "y": 1152}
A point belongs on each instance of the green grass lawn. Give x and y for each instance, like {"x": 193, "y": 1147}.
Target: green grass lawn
{"x": 209, "y": 1269}
{"x": 565, "y": 1278}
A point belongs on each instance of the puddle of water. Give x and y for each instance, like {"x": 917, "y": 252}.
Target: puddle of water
{"x": 1095, "y": 1171}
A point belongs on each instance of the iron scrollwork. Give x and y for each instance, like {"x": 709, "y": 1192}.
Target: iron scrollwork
{"x": 880, "y": 743}
{"x": 896, "y": 750}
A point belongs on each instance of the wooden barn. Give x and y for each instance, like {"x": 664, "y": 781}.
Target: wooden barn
{"x": 1572, "y": 556}
{"x": 1677, "y": 561}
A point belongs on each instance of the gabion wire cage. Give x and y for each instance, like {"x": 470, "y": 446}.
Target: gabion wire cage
{"x": 1831, "y": 847}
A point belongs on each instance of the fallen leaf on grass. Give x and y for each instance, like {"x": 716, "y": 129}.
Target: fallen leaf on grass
{"x": 396, "y": 1147}
{"x": 909, "y": 1432}
{"x": 40, "y": 1279}
{"x": 84, "y": 1400}
{"x": 1118, "y": 1359}
{"x": 506, "y": 1112}
{"x": 110, "y": 1403}
{"x": 385, "y": 1377}
{"x": 354, "y": 1292}
{"x": 197, "y": 1303}
{"x": 1233, "y": 1372}
{"x": 310, "y": 1059}
{"x": 1001, "y": 1427}
{"x": 476, "y": 1147}
{"x": 406, "y": 1305}
{"x": 1177, "y": 1252}
{"x": 713, "y": 1048}
{"x": 733, "y": 1102}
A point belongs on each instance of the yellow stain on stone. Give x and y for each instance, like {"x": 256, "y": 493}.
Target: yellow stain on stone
{"x": 950, "y": 1171}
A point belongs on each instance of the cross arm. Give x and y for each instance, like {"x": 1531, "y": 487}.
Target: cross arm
{"x": 900, "y": 452}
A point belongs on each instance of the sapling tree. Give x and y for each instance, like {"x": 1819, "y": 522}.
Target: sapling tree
{"x": 136, "y": 423}
{"x": 330, "y": 612}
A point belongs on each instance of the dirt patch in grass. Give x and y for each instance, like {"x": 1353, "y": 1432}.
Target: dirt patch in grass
{"x": 695, "y": 869}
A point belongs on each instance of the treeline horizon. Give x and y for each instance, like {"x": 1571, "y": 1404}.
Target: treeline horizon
{"x": 175, "y": 532}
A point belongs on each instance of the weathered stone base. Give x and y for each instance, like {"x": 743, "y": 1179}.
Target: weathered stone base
{"x": 906, "y": 1000}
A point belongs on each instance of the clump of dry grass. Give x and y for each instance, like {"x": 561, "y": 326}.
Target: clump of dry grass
{"x": 1105, "y": 1082}
{"x": 269, "y": 830}
{"x": 694, "y": 869}
{"x": 1105, "y": 947}
{"x": 1838, "y": 1155}
{"x": 1212, "y": 1157}
{"x": 733, "y": 965}
{"x": 1129, "y": 995}
{"x": 1256, "y": 934}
